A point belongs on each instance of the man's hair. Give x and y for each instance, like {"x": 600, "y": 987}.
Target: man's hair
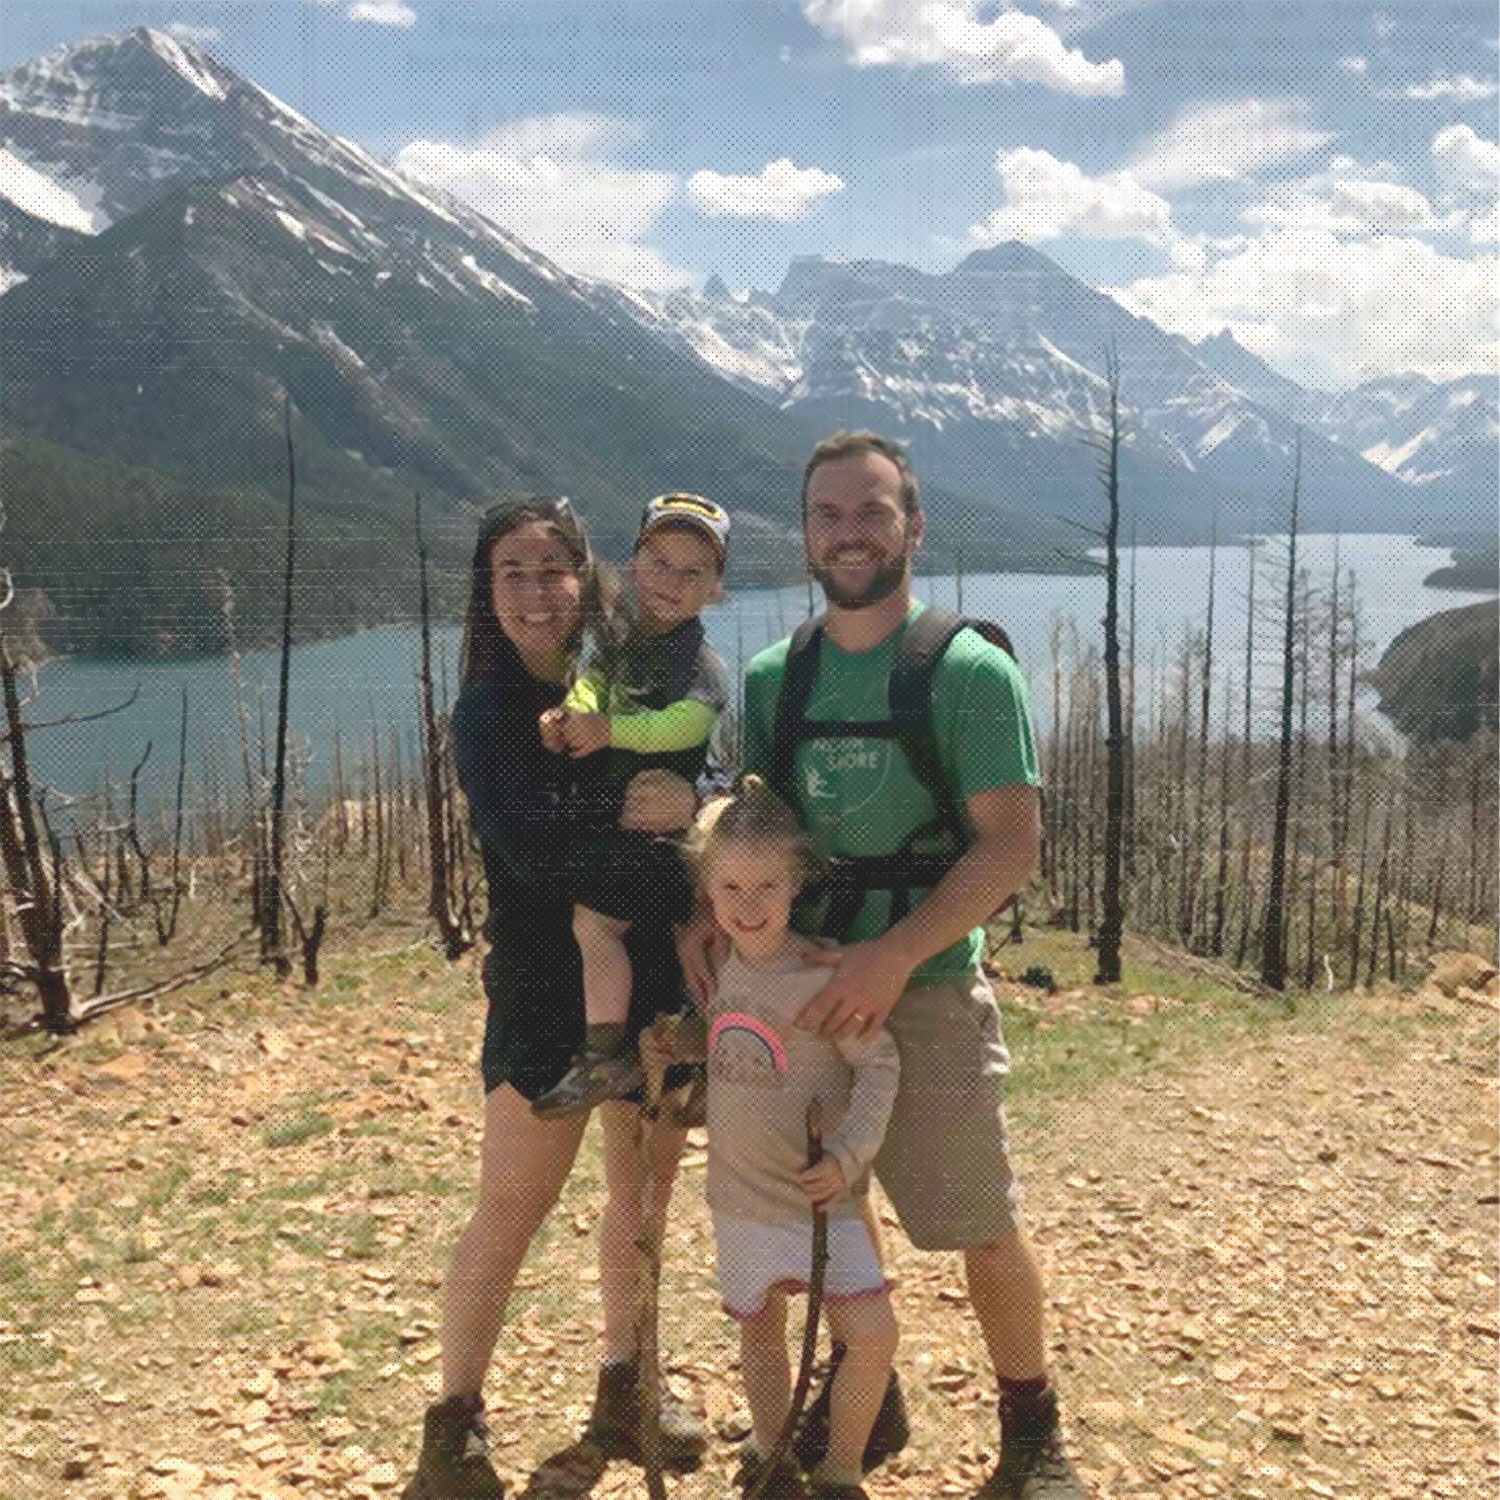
{"x": 856, "y": 445}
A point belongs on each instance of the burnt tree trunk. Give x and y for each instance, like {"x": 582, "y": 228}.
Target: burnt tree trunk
{"x": 1116, "y": 742}
{"x": 1273, "y": 950}
{"x": 271, "y": 949}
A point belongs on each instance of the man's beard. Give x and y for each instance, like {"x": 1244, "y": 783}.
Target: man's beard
{"x": 884, "y": 581}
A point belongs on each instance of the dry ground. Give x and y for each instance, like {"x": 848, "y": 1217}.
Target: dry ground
{"x": 1269, "y": 1233}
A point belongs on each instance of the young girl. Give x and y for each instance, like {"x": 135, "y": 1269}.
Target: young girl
{"x": 752, "y": 859}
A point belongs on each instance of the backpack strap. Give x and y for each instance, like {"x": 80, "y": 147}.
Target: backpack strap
{"x": 925, "y": 640}
{"x": 791, "y": 706}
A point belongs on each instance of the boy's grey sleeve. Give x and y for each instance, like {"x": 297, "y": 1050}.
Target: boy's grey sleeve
{"x": 710, "y": 680}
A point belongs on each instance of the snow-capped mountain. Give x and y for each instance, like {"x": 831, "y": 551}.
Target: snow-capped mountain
{"x": 188, "y": 254}
{"x": 1423, "y": 432}
{"x": 997, "y": 368}
{"x": 97, "y": 129}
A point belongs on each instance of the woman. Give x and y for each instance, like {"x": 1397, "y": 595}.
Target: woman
{"x": 533, "y": 585}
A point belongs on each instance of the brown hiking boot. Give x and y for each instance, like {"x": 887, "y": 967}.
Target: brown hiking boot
{"x": 614, "y": 1426}
{"x": 455, "y": 1459}
{"x": 889, "y": 1435}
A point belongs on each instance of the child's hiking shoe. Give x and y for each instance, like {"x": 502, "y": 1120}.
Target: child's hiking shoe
{"x": 785, "y": 1483}
{"x": 593, "y": 1078}
{"x": 1032, "y": 1463}
{"x": 455, "y": 1459}
{"x": 614, "y": 1426}
{"x": 889, "y": 1435}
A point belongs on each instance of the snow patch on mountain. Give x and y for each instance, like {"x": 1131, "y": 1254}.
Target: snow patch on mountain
{"x": 188, "y": 61}
{"x": 1394, "y": 458}
{"x": 73, "y": 205}
{"x": 492, "y": 283}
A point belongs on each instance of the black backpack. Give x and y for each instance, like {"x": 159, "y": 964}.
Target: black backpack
{"x": 909, "y": 696}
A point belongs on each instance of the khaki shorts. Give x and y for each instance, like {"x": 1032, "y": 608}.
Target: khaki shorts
{"x": 944, "y": 1163}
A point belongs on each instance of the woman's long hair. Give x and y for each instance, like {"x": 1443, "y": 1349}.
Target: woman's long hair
{"x": 486, "y": 644}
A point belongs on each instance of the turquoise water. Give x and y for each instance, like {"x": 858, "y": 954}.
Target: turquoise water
{"x": 348, "y": 681}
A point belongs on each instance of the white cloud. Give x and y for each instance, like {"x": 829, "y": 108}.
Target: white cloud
{"x": 1345, "y": 206}
{"x": 1012, "y": 47}
{"x": 1466, "y": 159}
{"x": 382, "y": 13}
{"x": 376, "y": 12}
{"x": 1357, "y": 308}
{"x": 200, "y": 36}
{"x": 781, "y": 191}
{"x": 1187, "y": 255}
{"x": 1354, "y": 66}
{"x": 1045, "y": 197}
{"x": 1383, "y": 25}
{"x": 1462, "y": 88}
{"x": 549, "y": 181}
{"x": 1225, "y": 143}
{"x": 1484, "y": 228}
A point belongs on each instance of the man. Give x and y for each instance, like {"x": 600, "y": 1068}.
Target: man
{"x": 911, "y": 958}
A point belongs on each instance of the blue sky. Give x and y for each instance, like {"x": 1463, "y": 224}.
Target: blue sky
{"x": 1320, "y": 177}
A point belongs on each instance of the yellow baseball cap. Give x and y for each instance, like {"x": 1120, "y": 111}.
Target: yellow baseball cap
{"x": 681, "y": 508}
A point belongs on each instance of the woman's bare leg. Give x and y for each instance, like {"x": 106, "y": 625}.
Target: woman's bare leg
{"x": 524, "y": 1162}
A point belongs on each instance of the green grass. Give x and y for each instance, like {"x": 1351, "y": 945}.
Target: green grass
{"x": 300, "y": 1128}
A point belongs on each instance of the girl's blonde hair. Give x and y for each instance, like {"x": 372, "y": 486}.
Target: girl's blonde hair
{"x": 752, "y": 814}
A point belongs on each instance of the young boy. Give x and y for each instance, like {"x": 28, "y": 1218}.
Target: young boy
{"x": 655, "y": 711}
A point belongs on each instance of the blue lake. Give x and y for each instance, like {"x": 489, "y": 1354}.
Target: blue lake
{"x": 344, "y": 682}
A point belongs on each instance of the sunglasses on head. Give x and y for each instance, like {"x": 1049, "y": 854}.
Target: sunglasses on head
{"x": 557, "y": 506}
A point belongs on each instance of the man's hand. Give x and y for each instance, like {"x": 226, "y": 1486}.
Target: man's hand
{"x": 864, "y": 990}
{"x": 552, "y": 723}
{"x": 586, "y": 733}
{"x": 657, "y": 801}
{"x": 701, "y": 949}
{"x": 824, "y": 1183}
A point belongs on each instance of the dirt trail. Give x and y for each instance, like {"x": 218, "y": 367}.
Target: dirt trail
{"x": 1272, "y": 1268}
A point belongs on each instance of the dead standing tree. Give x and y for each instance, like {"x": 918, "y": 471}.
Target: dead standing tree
{"x": 456, "y": 937}
{"x": 31, "y": 883}
{"x": 1116, "y": 740}
{"x": 1273, "y": 948}
{"x": 271, "y": 950}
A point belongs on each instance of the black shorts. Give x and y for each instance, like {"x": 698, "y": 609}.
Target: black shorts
{"x": 533, "y": 980}
{"x": 638, "y": 878}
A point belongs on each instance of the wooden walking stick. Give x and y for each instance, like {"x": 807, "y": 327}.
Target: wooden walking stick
{"x": 814, "y": 1313}
{"x": 647, "y": 1291}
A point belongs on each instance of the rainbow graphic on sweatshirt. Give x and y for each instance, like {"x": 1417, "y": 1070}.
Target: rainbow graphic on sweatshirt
{"x": 740, "y": 1022}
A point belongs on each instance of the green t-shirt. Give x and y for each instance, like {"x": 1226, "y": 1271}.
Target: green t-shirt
{"x": 859, "y": 796}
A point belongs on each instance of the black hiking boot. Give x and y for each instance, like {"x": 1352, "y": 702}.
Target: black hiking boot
{"x": 887, "y": 1437}
{"x": 785, "y": 1482}
{"x": 455, "y": 1459}
{"x": 615, "y": 1423}
{"x": 1032, "y": 1463}
{"x": 593, "y": 1078}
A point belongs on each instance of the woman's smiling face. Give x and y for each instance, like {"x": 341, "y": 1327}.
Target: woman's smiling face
{"x": 537, "y": 594}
